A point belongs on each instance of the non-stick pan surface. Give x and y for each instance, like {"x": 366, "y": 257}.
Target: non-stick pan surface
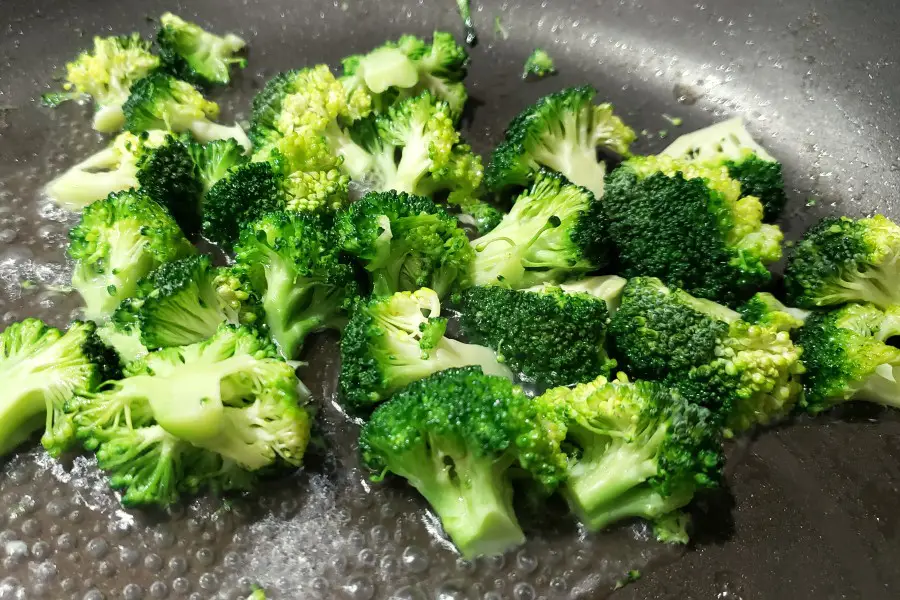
{"x": 812, "y": 509}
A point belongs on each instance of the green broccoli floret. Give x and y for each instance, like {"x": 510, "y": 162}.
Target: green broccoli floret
{"x": 554, "y": 231}
{"x": 168, "y": 175}
{"x": 106, "y": 74}
{"x": 638, "y": 450}
{"x": 293, "y": 262}
{"x": 257, "y": 594}
{"x": 673, "y": 528}
{"x": 405, "y": 242}
{"x": 455, "y": 438}
{"x": 112, "y": 169}
{"x": 193, "y": 54}
{"x": 562, "y": 132}
{"x": 848, "y": 357}
{"x": 117, "y": 242}
{"x": 478, "y": 214}
{"x": 215, "y": 159}
{"x": 43, "y": 368}
{"x": 266, "y": 107}
{"x": 550, "y": 336}
{"x": 465, "y": 13}
{"x": 765, "y": 309}
{"x": 606, "y": 287}
{"x": 159, "y": 101}
{"x": 730, "y": 144}
{"x": 196, "y": 416}
{"x": 687, "y": 224}
{"x": 746, "y": 373}
{"x": 845, "y": 260}
{"x": 393, "y": 341}
{"x": 538, "y": 64}
{"x": 124, "y": 337}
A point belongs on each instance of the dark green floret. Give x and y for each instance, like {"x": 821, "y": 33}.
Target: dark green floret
{"x": 455, "y": 437}
{"x": 763, "y": 179}
{"x": 267, "y": 106}
{"x": 215, "y": 159}
{"x": 169, "y": 176}
{"x": 189, "y": 52}
{"x": 765, "y": 309}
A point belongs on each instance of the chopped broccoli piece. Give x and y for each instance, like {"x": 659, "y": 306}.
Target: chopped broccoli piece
{"x": 554, "y": 231}
{"x": 538, "y": 64}
{"x": 638, "y": 450}
{"x": 848, "y": 357}
{"x": 116, "y": 243}
{"x": 465, "y": 13}
{"x": 257, "y": 594}
{"x": 193, "y": 54}
{"x": 196, "y": 416}
{"x": 550, "y": 336}
{"x": 405, "y": 242}
{"x": 673, "y": 528}
{"x": 124, "y": 337}
{"x": 215, "y": 159}
{"x": 746, "y": 373}
{"x": 455, "y": 436}
{"x": 106, "y": 75}
{"x": 765, "y": 309}
{"x": 687, "y": 224}
{"x": 159, "y": 101}
{"x": 42, "y": 369}
{"x": 168, "y": 175}
{"x": 393, "y": 341}
{"x": 292, "y": 261}
{"x": 482, "y": 216}
{"x": 606, "y": 287}
{"x": 562, "y": 132}
{"x": 845, "y": 260}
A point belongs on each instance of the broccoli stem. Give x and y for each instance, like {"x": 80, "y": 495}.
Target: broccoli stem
{"x": 21, "y": 413}
{"x": 109, "y": 118}
{"x": 92, "y": 179}
{"x": 144, "y": 462}
{"x": 357, "y": 162}
{"x": 882, "y": 387}
{"x": 574, "y": 159}
{"x": 239, "y": 440}
{"x": 207, "y": 131}
{"x": 641, "y": 502}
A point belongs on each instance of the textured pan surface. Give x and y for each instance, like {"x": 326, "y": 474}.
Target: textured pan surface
{"x": 812, "y": 510}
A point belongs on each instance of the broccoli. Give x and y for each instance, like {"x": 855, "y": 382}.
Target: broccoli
{"x": 168, "y": 175}
{"x": 474, "y": 212}
{"x": 730, "y": 144}
{"x": 159, "y": 101}
{"x": 195, "y": 416}
{"x": 550, "y": 336}
{"x": 848, "y": 356}
{"x": 561, "y": 131}
{"x": 292, "y": 261}
{"x": 845, "y": 260}
{"x": 465, "y": 13}
{"x": 123, "y": 336}
{"x": 257, "y": 594}
{"x": 45, "y": 368}
{"x": 687, "y": 224}
{"x": 765, "y": 309}
{"x": 454, "y": 437}
{"x": 538, "y": 64}
{"x": 638, "y": 450}
{"x": 215, "y": 159}
{"x": 112, "y": 169}
{"x": 106, "y": 75}
{"x": 116, "y": 243}
{"x": 190, "y": 53}
{"x": 673, "y": 528}
{"x": 606, "y": 287}
{"x": 554, "y": 231}
{"x": 405, "y": 242}
{"x": 746, "y": 373}
{"x": 184, "y": 302}
{"x": 391, "y": 342}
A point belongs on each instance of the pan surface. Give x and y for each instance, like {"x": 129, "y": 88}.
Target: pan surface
{"x": 812, "y": 507}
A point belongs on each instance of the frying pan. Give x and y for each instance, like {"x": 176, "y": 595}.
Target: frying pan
{"x": 811, "y": 507}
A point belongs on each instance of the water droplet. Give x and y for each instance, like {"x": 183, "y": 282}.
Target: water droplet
{"x": 414, "y": 559}
{"x": 132, "y": 591}
{"x": 97, "y": 547}
{"x": 359, "y": 588}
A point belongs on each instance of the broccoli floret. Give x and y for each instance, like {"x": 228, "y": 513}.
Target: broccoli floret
{"x": 765, "y": 309}
{"x": 168, "y": 175}
{"x": 673, "y": 528}
{"x": 538, "y": 64}
{"x": 746, "y": 373}
{"x": 267, "y": 106}
{"x": 687, "y": 224}
{"x": 193, "y": 54}
{"x": 124, "y": 337}
{"x": 845, "y": 260}
{"x": 481, "y": 216}
{"x": 455, "y": 437}
{"x": 215, "y": 159}
{"x": 465, "y": 13}
{"x": 638, "y": 450}
{"x": 195, "y": 416}
{"x": 561, "y": 131}
{"x": 43, "y": 368}
{"x": 405, "y": 242}
{"x": 606, "y": 287}
{"x": 730, "y": 144}
{"x": 257, "y": 594}
{"x": 391, "y": 342}
{"x": 550, "y": 336}
{"x": 848, "y": 357}
{"x": 554, "y": 231}
{"x": 106, "y": 74}
{"x": 159, "y": 101}
{"x": 117, "y": 242}
{"x": 292, "y": 261}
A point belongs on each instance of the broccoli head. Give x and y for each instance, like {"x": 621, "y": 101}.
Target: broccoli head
{"x": 606, "y": 287}
{"x": 405, "y": 242}
{"x": 555, "y": 230}
{"x": 106, "y": 74}
{"x": 845, "y": 260}
{"x": 454, "y": 437}
{"x": 293, "y": 262}
{"x": 688, "y": 224}
{"x": 561, "y": 132}
{"x": 538, "y": 64}
{"x": 848, "y": 357}
{"x": 117, "y": 242}
{"x": 765, "y": 309}
{"x": 193, "y": 54}
{"x": 393, "y": 341}
{"x": 550, "y": 336}
{"x": 168, "y": 175}
{"x": 215, "y": 159}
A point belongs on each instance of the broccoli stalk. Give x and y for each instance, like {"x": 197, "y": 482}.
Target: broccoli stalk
{"x": 190, "y": 53}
